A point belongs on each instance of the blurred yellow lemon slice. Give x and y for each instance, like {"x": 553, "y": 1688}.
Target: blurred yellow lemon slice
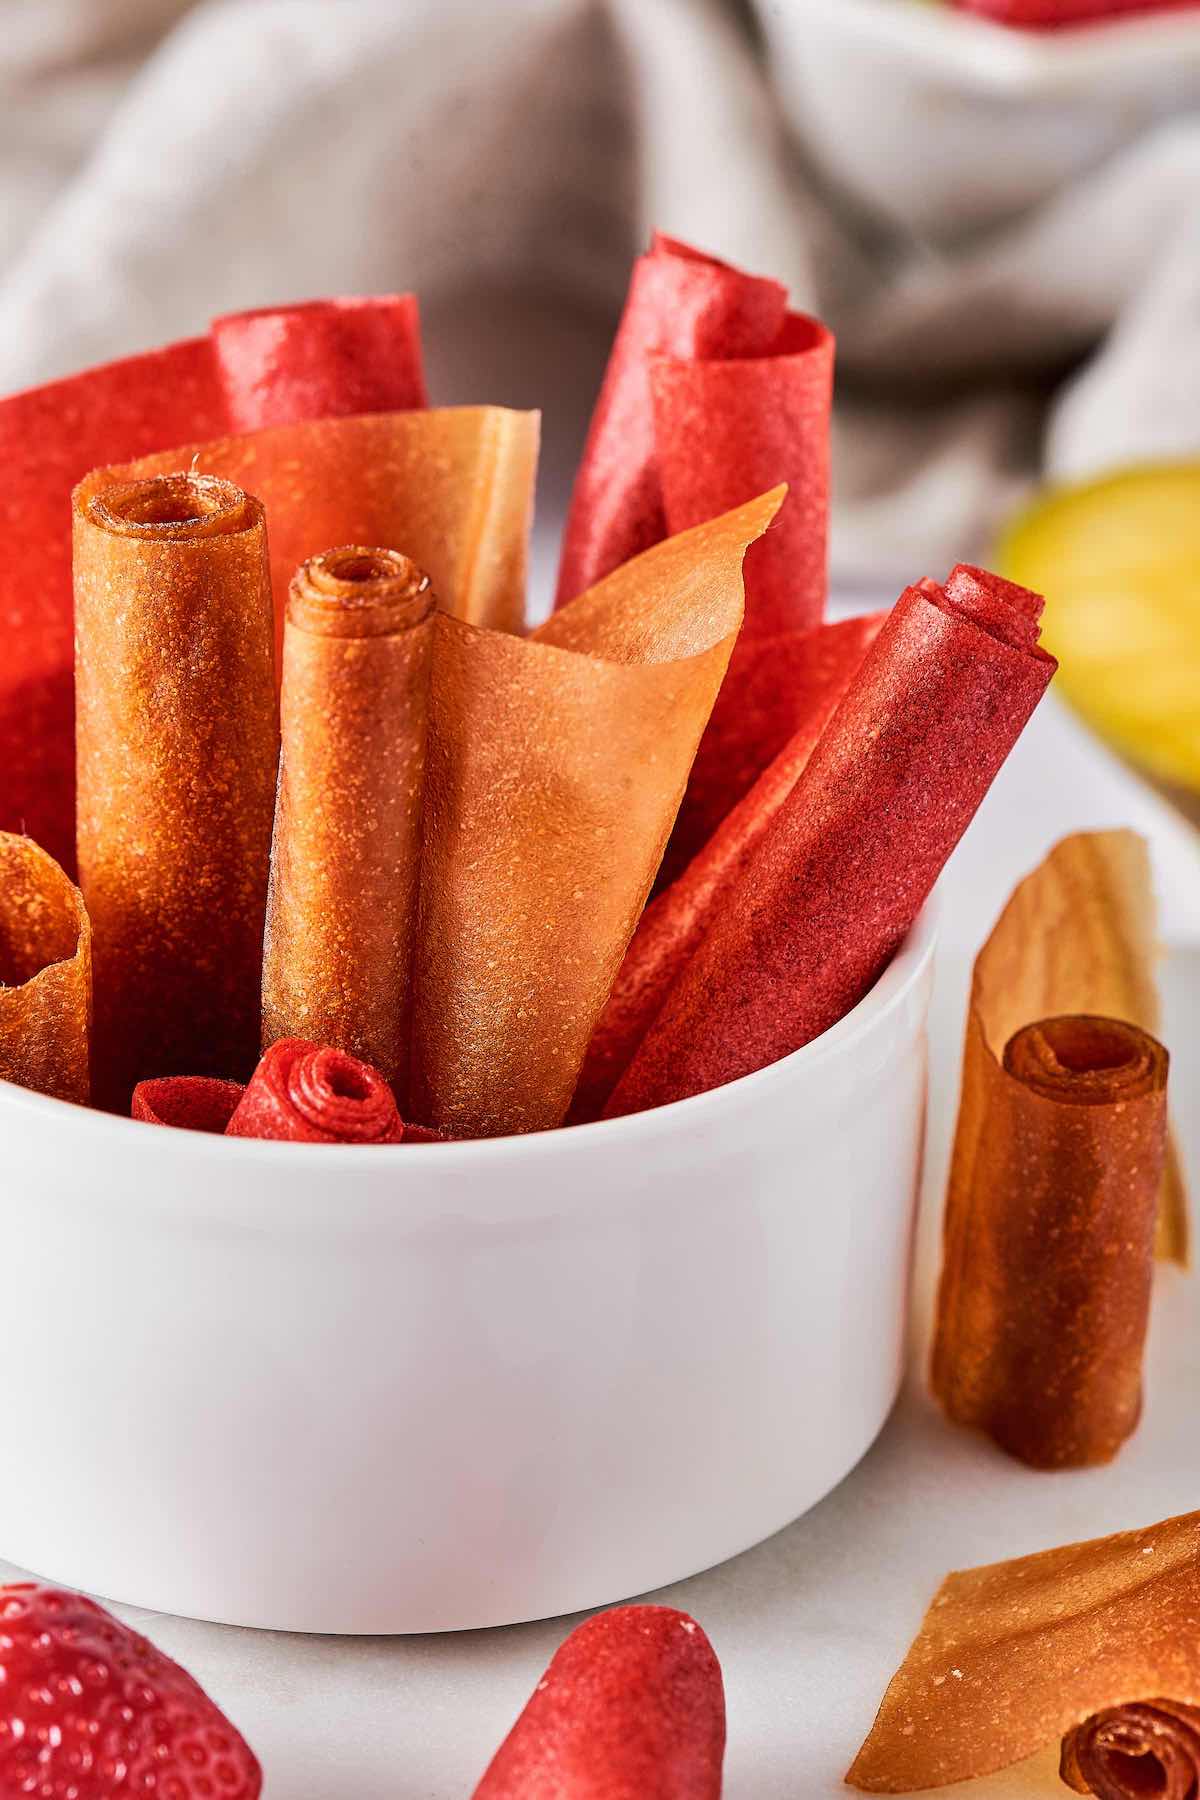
{"x": 1119, "y": 563}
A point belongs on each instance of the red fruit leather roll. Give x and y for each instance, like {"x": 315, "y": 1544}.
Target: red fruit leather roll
{"x": 337, "y": 356}
{"x": 727, "y": 430}
{"x": 681, "y": 304}
{"x": 189, "y": 1102}
{"x": 673, "y": 926}
{"x": 774, "y": 688}
{"x": 632, "y": 1707}
{"x": 312, "y": 1094}
{"x": 850, "y": 857}
{"x": 1059, "y": 15}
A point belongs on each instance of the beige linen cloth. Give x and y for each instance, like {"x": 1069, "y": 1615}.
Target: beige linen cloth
{"x": 1005, "y": 236}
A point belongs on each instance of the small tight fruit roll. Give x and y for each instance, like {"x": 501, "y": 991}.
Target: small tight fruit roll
{"x": 188, "y": 1102}
{"x": 45, "y": 973}
{"x": 177, "y": 745}
{"x": 1090, "y": 1646}
{"x": 632, "y": 1707}
{"x": 312, "y": 1094}
{"x": 849, "y": 858}
{"x": 1044, "y": 1309}
{"x": 1063, "y": 15}
{"x": 346, "y": 855}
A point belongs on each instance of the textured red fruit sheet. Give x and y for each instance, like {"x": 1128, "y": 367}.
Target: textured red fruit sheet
{"x": 1058, "y": 15}
{"x": 850, "y": 857}
{"x": 675, "y": 923}
{"x": 288, "y": 363}
{"x": 90, "y": 1709}
{"x": 632, "y": 1707}
{"x": 312, "y": 1094}
{"x": 191, "y": 1102}
{"x": 713, "y": 393}
{"x": 773, "y": 688}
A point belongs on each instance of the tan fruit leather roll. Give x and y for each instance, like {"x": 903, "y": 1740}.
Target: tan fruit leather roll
{"x": 1042, "y": 1325}
{"x": 556, "y": 767}
{"x": 45, "y": 973}
{"x": 452, "y": 488}
{"x": 177, "y": 740}
{"x": 1017, "y": 1655}
{"x": 1077, "y": 936}
{"x": 346, "y": 853}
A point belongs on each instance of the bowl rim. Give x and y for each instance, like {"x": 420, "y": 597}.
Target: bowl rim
{"x": 108, "y": 1131}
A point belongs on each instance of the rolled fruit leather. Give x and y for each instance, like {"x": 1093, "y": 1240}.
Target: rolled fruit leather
{"x": 1093, "y": 1645}
{"x": 849, "y": 858}
{"x": 312, "y": 1094}
{"x": 346, "y": 851}
{"x": 1044, "y": 1306}
{"x": 177, "y": 740}
{"x": 45, "y": 974}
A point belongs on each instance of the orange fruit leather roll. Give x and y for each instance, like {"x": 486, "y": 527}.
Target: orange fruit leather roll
{"x": 1094, "y": 1644}
{"x": 346, "y": 854}
{"x": 452, "y": 487}
{"x": 177, "y": 739}
{"x": 45, "y": 973}
{"x": 1042, "y": 1324}
{"x": 555, "y": 769}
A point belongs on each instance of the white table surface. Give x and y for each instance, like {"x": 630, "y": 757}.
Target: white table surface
{"x": 810, "y": 1625}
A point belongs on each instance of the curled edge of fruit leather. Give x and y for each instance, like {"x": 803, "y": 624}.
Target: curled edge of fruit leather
{"x": 555, "y": 769}
{"x": 346, "y": 849}
{"x": 1043, "y": 1311}
{"x": 187, "y": 1102}
{"x": 632, "y": 1703}
{"x": 452, "y": 487}
{"x": 45, "y": 974}
{"x": 1090, "y": 1644}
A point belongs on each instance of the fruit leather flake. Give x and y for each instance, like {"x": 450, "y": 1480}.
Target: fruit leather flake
{"x": 849, "y": 858}
{"x": 354, "y": 355}
{"x": 1079, "y": 1643}
{"x": 188, "y": 1102}
{"x": 555, "y": 769}
{"x": 713, "y": 393}
{"x": 45, "y": 974}
{"x": 346, "y": 851}
{"x": 632, "y": 1707}
{"x": 1046, "y": 1299}
{"x": 178, "y": 745}
{"x": 311, "y": 1094}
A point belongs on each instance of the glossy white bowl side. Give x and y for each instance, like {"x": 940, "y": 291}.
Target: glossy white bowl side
{"x": 422, "y": 1389}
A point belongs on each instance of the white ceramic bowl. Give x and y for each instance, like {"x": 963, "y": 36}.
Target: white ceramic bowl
{"x": 427, "y": 1388}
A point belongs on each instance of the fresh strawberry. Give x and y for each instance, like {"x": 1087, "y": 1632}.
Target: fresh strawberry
{"x": 91, "y": 1711}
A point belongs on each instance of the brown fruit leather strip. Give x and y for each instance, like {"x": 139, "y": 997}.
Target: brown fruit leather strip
{"x": 346, "y": 852}
{"x": 177, "y": 740}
